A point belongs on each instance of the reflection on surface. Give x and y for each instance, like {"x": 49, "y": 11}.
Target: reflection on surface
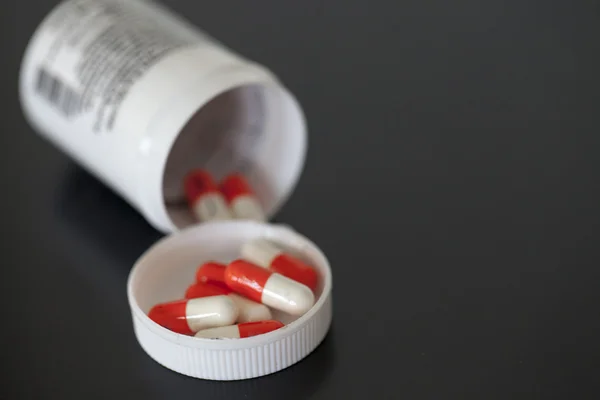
{"x": 104, "y": 237}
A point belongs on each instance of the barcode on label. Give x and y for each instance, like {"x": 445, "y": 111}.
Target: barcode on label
{"x": 66, "y": 99}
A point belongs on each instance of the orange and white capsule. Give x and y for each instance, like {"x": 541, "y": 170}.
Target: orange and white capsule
{"x": 240, "y": 331}
{"x": 190, "y": 316}
{"x": 267, "y": 255}
{"x": 249, "y": 310}
{"x": 271, "y": 289}
{"x": 241, "y": 198}
{"x": 204, "y": 198}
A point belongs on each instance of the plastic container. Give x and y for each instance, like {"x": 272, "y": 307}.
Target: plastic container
{"x": 139, "y": 97}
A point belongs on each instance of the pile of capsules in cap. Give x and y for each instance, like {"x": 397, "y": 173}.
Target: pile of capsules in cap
{"x": 235, "y": 300}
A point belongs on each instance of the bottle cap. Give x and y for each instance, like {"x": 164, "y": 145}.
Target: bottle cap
{"x": 164, "y": 272}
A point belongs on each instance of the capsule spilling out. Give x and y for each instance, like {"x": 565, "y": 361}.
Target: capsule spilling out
{"x": 240, "y": 331}
{"x": 249, "y": 310}
{"x": 204, "y": 198}
{"x": 211, "y": 272}
{"x": 190, "y": 316}
{"x": 241, "y": 198}
{"x": 269, "y": 288}
{"x": 266, "y": 254}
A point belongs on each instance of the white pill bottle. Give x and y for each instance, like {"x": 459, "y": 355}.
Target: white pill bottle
{"x": 139, "y": 97}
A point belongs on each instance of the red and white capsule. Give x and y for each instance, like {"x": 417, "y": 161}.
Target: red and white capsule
{"x": 267, "y": 255}
{"x": 241, "y": 198}
{"x": 211, "y": 272}
{"x": 240, "y": 331}
{"x": 248, "y": 310}
{"x": 199, "y": 289}
{"x": 204, "y": 198}
{"x": 190, "y": 316}
{"x": 210, "y": 278}
{"x": 271, "y": 289}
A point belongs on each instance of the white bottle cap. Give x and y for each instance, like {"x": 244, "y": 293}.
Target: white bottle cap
{"x": 139, "y": 97}
{"x": 168, "y": 267}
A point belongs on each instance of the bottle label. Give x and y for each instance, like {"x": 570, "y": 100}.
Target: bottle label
{"x": 97, "y": 50}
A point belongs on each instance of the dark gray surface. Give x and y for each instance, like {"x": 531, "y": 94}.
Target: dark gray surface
{"x": 452, "y": 179}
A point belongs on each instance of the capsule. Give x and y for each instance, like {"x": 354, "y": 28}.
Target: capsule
{"x": 249, "y": 310}
{"x": 269, "y": 288}
{"x": 240, "y": 331}
{"x": 190, "y": 316}
{"x": 241, "y": 198}
{"x": 211, "y": 272}
{"x": 204, "y": 198}
{"x": 265, "y": 254}
{"x": 200, "y": 289}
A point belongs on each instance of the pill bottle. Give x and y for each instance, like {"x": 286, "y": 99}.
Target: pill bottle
{"x": 139, "y": 97}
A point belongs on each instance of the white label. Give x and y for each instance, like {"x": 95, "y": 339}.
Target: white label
{"x": 97, "y": 51}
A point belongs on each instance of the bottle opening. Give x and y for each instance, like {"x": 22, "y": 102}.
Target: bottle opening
{"x": 257, "y": 130}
